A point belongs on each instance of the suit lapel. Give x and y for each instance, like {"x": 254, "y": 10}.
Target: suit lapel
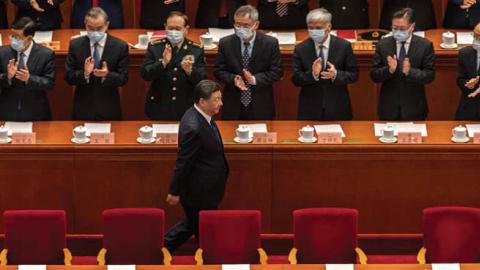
{"x": 107, "y": 45}
{"x": 472, "y": 61}
{"x": 206, "y": 125}
{"x": 412, "y": 48}
{"x": 311, "y": 52}
{"x": 257, "y": 46}
{"x": 331, "y": 52}
{"x": 237, "y": 49}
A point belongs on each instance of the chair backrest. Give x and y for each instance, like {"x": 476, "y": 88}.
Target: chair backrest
{"x": 133, "y": 235}
{"x": 230, "y": 237}
{"x": 35, "y": 236}
{"x": 325, "y": 235}
{"x": 452, "y": 234}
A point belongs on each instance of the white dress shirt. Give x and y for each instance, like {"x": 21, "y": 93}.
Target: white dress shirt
{"x": 407, "y": 46}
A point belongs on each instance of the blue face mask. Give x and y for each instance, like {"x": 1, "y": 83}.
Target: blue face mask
{"x": 244, "y": 33}
{"x": 400, "y": 35}
{"x": 317, "y": 34}
{"x": 95, "y": 36}
{"x": 17, "y": 44}
{"x": 476, "y": 44}
{"x": 175, "y": 36}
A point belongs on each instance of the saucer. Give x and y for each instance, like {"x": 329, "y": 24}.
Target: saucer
{"x": 237, "y": 140}
{"x": 142, "y": 141}
{"x": 385, "y": 140}
{"x": 211, "y": 47}
{"x": 302, "y": 140}
{"x": 140, "y": 47}
{"x": 8, "y": 140}
{"x": 465, "y": 140}
{"x": 87, "y": 140}
{"x": 451, "y": 46}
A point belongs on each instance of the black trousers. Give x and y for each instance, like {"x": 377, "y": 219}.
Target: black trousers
{"x": 182, "y": 231}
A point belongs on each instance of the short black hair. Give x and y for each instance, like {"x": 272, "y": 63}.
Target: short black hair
{"x": 179, "y": 14}
{"x": 204, "y": 89}
{"x": 407, "y": 13}
{"x": 26, "y": 24}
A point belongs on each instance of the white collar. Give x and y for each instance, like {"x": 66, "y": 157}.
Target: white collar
{"x": 325, "y": 44}
{"x": 408, "y": 41}
{"x": 28, "y": 50}
{"x": 252, "y": 41}
{"x": 206, "y": 116}
{"x": 101, "y": 42}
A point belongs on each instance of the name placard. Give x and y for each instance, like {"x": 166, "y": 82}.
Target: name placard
{"x": 265, "y": 137}
{"x": 409, "y": 137}
{"x": 24, "y": 138}
{"x": 476, "y": 137}
{"x": 167, "y": 138}
{"x": 329, "y": 138}
{"x": 102, "y": 138}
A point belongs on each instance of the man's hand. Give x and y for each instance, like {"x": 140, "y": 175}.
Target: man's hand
{"x": 187, "y": 66}
{"x": 248, "y": 76}
{"x": 172, "y": 199}
{"x": 50, "y": 2}
{"x": 88, "y": 67}
{"x": 330, "y": 73}
{"x": 472, "y": 82}
{"x": 23, "y": 74}
{"x": 35, "y": 6}
{"x": 392, "y": 63}
{"x": 406, "y": 66}
{"x": 168, "y": 2}
{"x": 12, "y": 68}
{"x": 240, "y": 83}
{"x": 468, "y": 3}
{"x": 317, "y": 67}
{"x": 167, "y": 55}
{"x": 103, "y": 72}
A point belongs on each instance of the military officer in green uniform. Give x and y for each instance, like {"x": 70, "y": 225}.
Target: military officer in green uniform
{"x": 175, "y": 65}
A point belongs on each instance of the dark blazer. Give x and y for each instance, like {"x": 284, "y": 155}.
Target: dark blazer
{"x": 154, "y": 13}
{"x": 425, "y": 13}
{"x": 97, "y": 99}
{"x": 113, "y": 8}
{"x": 468, "y": 108}
{"x": 455, "y": 17}
{"x": 27, "y": 102}
{"x": 347, "y": 14}
{"x": 404, "y": 96}
{"x": 50, "y": 19}
{"x": 265, "y": 65}
{"x": 296, "y": 18}
{"x": 201, "y": 169}
{"x": 324, "y": 95}
{"x": 171, "y": 92}
{"x": 208, "y": 12}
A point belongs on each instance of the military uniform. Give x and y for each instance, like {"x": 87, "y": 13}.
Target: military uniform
{"x": 171, "y": 92}
{"x": 347, "y": 14}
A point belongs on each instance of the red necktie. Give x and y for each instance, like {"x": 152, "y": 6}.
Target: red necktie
{"x": 95, "y": 3}
{"x": 223, "y": 9}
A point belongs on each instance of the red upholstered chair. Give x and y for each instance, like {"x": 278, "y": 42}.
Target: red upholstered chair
{"x": 230, "y": 237}
{"x": 450, "y": 235}
{"x": 133, "y": 236}
{"x": 325, "y": 235}
{"x": 35, "y": 237}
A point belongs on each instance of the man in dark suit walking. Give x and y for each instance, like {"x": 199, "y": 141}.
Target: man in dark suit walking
{"x": 468, "y": 77}
{"x": 423, "y": 7}
{"x": 201, "y": 169}
{"x": 347, "y": 14}
{"x": 27, "y": 73}
{"x": 248, "y": 63}
{"x": 113, "y": 8}
{"x": 45, "y": 13}
{"x": 217, "y": 13}
{"x": 403, "y": 63}
{"x": 462, "y": 14}
{"x": 97, "y": 64}
{"x": 323, "y": 66}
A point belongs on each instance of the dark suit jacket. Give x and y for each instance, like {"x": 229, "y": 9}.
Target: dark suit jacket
{"x": 455, "y": 17}
{"x": 27, "y": 102}
{"x": 399, "y": 93}
{"x": 425, "y": 13}
{"x": 296, "y": 18}
{"x": 171, "y": 92}
{"x": 265, "y": 65}
{"x": 201, "y": 169}
{"x": 347, "y": 14}
{"x": 468, "y": 108}
{"x": 154, "y": 13}
{"x": 97, "y": 99}
{"x": 113, "y": 8}
{"x": 50, "y": 19}
{"x": 208, "y": 12}
{"x": 331, "y": 96}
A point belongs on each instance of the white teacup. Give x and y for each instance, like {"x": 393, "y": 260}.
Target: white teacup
{"x": 388, "y": 133}
{"x": 145, "y": 133}
{"x": 207, "y": 40}
{"x": 243, "y": 133}
{"x": 306, "y": 133}
{"x": 3, "y": 133}
{"x": 80, "y": 133}
{"x": 448, "y": 38}
{"x": 459, "y": 133}
{"x": 143, "y": 40}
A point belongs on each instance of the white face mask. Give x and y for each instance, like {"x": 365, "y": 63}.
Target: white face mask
{"x": 401, "y": 35}
{"x": 95, "y": 36}
{"x": 17, "y": 44}
{"x": 244, "y": 33}
{"x": 317, "y": 35}
{"x": 175, "y": 36}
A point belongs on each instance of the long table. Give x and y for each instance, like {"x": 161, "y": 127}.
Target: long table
{"x": 256, "y": 267}
{"x": 389, "y": 184}
{"x": 442, "y": 94}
